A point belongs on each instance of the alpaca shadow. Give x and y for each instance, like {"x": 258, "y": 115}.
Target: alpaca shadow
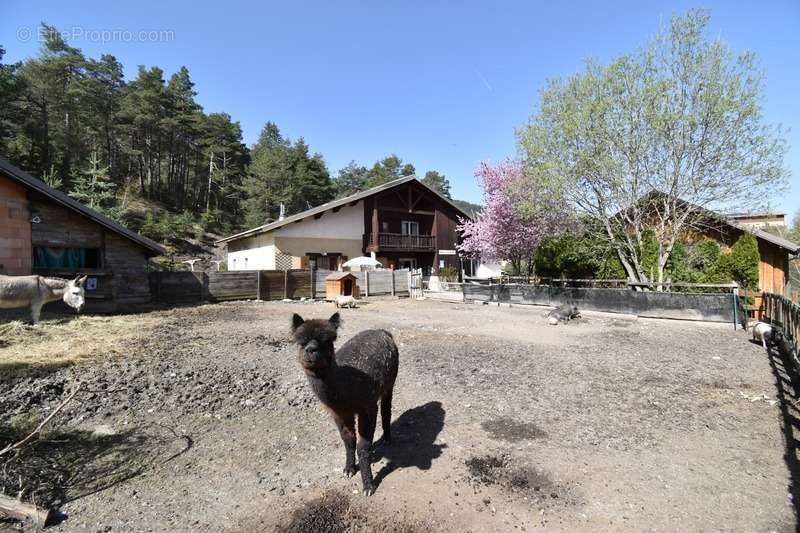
{"x": 413, "y": 440}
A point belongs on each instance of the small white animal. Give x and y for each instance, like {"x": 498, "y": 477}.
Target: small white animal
{"x": 766, "y": 334}
{"x": 345, "y": 301}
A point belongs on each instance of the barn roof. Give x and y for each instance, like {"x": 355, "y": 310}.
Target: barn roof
{"x": 791, "y": 247}
{"x": 341, "y": 202}
{"x": 20, "y": 176}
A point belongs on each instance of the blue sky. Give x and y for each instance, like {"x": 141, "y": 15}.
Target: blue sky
{"x": 443, "y": 85}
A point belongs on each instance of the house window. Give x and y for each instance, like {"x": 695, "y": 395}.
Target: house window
{"x": 68, "y": 258}
{"x": 409, "y": 227}
{"x": 245, "y": 263}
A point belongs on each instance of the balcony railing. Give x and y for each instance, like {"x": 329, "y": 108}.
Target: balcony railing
{"x": 399, "y": 241}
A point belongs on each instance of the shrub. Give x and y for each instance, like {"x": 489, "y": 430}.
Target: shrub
{"x": 744, "y": 260}
{"x": 448, "y": 273}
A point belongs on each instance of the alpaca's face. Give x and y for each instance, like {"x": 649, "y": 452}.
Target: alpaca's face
{"x": 315, "y": 339}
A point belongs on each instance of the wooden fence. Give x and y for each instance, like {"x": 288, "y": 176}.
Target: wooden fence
{"x": 781, "y": 312}
{"x": 188, "y": 287}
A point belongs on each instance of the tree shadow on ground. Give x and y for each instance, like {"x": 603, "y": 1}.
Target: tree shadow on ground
{"x": 413, "y": 440}
{"x": 64, "y": 466}
{"x": 787, "y": 384}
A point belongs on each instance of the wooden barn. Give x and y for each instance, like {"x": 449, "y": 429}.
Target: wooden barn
{"x": 44, "y": 231}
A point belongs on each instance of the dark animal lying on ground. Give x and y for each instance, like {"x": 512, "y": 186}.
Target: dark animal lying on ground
{"x": 767, "y": 335}
{"x": 563, "y": 313}
{"x": 350, "y": 382}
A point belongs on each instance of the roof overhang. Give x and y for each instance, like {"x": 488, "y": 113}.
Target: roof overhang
{"x": 58, "y": 197}
{"x": 339, "y": 203}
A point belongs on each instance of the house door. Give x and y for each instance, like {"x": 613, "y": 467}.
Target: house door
{"x": 332, "y": 262}
{"x": 408, "y": 262}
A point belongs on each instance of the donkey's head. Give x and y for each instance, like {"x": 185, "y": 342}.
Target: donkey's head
{"x": 74, "y": 295}
{"x": 315, "y": 339}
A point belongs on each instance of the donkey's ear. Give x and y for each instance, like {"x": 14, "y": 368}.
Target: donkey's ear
{"x": 335, "y": 320}
{"x": 297, "y": 321}
{"x": 80, "y": 280}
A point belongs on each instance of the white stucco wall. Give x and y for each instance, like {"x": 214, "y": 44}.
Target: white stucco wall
{"x": 333, "y": 232}
{"x": 488, "y": 270}
{"x": 255, "y": 253}
{"x": 348, "y": 223}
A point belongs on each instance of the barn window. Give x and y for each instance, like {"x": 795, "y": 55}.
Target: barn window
{"x": 71, "y": 258}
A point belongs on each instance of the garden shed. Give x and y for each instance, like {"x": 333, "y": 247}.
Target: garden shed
{"x": 341, "y": 284}
{"x": 44, "y": 231}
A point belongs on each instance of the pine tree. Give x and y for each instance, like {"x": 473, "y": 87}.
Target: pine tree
{"x": 93, "y": 188}
{"x": 351, "y": 179}
{"x": 438, "y": 182}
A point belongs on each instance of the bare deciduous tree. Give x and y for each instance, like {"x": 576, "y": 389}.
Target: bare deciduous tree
{"x": 682, "y": 118}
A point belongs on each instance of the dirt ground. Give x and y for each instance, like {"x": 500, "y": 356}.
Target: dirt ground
{"x": 199, "y": 419}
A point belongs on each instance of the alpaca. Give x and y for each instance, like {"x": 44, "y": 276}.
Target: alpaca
{"x": 350, "y": 382}
{"x": 35, "y": 291}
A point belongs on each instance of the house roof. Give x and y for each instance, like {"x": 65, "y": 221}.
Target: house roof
{"x": 791, "y": 247}
{"x": 20, "y": 176}
{"x": 338, "y": 203}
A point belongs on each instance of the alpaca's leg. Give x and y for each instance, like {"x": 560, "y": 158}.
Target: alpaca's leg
{"x": 366, "y": 431}
{"x": 386, "y": 417}
{"x": 347, "y": 429}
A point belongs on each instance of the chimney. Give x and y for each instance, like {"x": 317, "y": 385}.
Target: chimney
{"x": 282, "y": 214}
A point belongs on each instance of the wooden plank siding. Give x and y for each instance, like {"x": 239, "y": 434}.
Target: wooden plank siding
{"x": 772, "y": 268}
{"x": 122, "y": 274}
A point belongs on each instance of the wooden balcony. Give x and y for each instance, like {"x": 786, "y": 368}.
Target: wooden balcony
{"x": 388, "y": 242}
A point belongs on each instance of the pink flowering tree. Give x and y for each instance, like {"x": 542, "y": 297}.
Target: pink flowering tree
{"x": 503, "y": 232}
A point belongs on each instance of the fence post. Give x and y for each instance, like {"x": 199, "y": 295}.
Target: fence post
{"x": 258, "y": 286}
{"x": 285, "y": 284}
{"x": 735, "y": 305}
{"x": 313, "y": 289}
{"x": 366, "y": 283}
{"x": 392, "y": 272}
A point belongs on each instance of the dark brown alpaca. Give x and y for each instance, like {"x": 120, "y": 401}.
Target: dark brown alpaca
{"x": 350, "y": 382}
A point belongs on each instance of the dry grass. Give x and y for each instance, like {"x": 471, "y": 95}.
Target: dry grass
{"x": 67, "y": 340}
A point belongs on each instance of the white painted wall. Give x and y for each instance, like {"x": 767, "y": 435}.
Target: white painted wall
{"x": 348, "y": 223}
{"x": 254, "y": 253}
{"x": 488, "y": 270}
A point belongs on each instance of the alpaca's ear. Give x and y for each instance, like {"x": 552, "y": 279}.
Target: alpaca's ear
{"x": 335, "y": 320}
{"x": 297, "y": 321}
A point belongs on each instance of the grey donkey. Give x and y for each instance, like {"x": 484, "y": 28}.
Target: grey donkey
{"x": 35, "y": 291}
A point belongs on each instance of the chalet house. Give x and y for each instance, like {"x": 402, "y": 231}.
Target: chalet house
{"x": 405, "y": 223}
{"x": 44, "y": 231}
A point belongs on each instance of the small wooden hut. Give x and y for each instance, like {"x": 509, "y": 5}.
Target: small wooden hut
{"x": 341, "y": 284}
